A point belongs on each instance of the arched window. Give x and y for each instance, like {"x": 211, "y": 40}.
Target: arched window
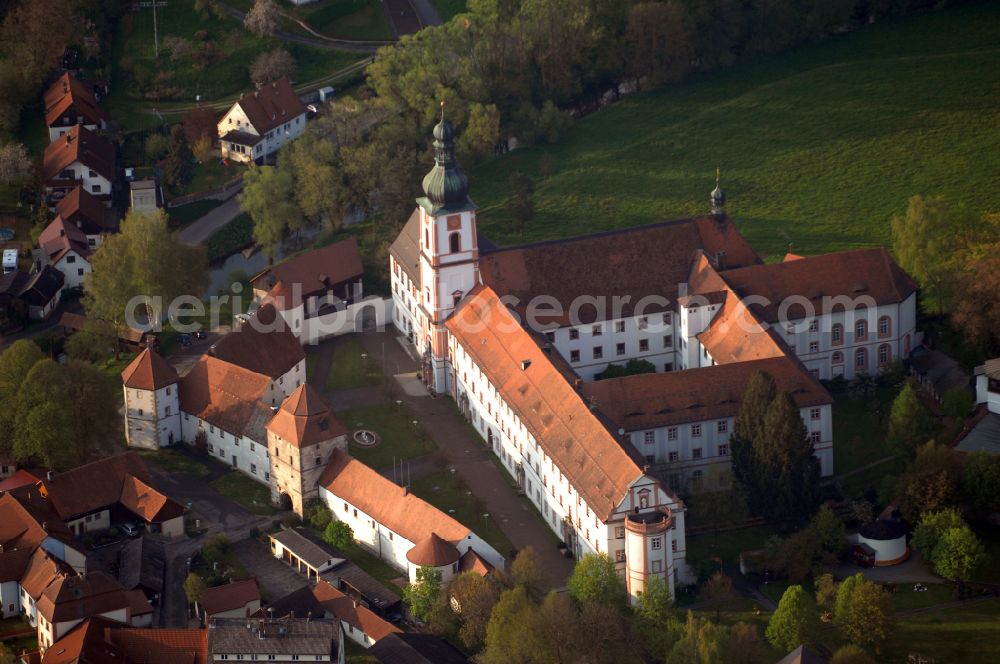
{"x": 884, "y": 326}
{"x": 884, "y": 355}
{"x": 838, "y": 357}
{"x": 861, "y": 358}
{"x": 861, "y": 329}
{"x": 837, "y": 333}
{"x": 455, "y": 242}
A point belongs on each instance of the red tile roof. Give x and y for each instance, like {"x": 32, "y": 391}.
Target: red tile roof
{"x": 344, "y": 608}
{"x": 149, "y": 371}
{"x": 79, "y": 597}
{"x": 79, "y": 145}
{"x": 304, "y": 419}
{"x": 227, "y": 396}
{"x": 60, "y": 237}
{"x": 859, "y": 273}
{"x": 263, "y": 344}
{"x": 162, "y": 646}
{"x": 230, "y": 596}
{"x": 147, "y": 503}
{"x": 138, "y": 603}
{"x": 85, "y": 644}
{"x": 473, "y": 562}
{"x": 21, "y": 478}
{"x": 386, "y": 502}
{"x": 601, "y": 467}
{"x": 695, "y": 395}
{"x": 315, "y": 271}
{"x": 41, "y": 571}
{"x": 602, "y": 265}
{"x": 272, "y": 106}
{"x": 81, "y": 208}
{"x": 70, "y": 94}
{"x": 432, "y": 551}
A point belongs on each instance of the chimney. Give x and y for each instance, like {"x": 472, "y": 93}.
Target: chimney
{"x": 720, "y": 260}
{"x": 406, "y": 490}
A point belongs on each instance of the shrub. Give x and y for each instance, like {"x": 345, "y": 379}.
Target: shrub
{"x": 234, "y": 236}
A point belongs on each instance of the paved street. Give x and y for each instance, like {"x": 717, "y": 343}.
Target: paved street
{"x": 468, "y": 453}
{"x": 200, "y": 230}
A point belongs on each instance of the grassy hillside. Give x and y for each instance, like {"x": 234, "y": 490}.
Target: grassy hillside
{"x": 818, "y": 146}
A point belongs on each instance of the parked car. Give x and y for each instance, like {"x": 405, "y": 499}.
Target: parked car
{"x": 131, "y": 529}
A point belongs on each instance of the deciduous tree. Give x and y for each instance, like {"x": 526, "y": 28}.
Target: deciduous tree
{"x": 657, "y": 41}
{"x": 977, "y": 309}
{"x": 93, "y": 343}
{"x": 747, "y": 428}
{"x": 744, "y": 645}
{"x": 526, "y": 571}
{"x": 930, "y": 482}
{"x": 794, "y": 622}
{"x": 15, "y": 165}
{"x": 513, "y": 633}
{"x": 595, "y": 579}
{"x": 270, "y": 66}
{"x": 981, "y": 484}
{"x": 851, "y": 654}
{"x": 910, "y": 424}
{"x": 864, "y": 612}
{"x": 701, "y": 642}
{"x": 520, "y": 206}
{"x": 932, "y": 526}
{"x": 421, "y": 595}
{"x": 177, "y": 165}
{"x": 263, "y": 18}
{"x": 267, "y": 198}
{"x": 338, "y": 534}
{"x": 656, "y": 621}
{"x": 959, "y": 554}
{"x": 472, "y": 598}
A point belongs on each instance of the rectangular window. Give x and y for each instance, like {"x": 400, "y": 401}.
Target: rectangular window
{"x": 643, "y": 323}
{"x": 620, "y": 556}
{"x": 696, "y": 453}
{"x": 668, "y": 367}
{"x": 597, "y": 330}
{"x": 673, "y": 545}
{"x": 666, "y": 318}
{"x": 71, "y": 258}
{"x": 620, "y": 532}
{"x": 619, "y": 349}
{"x": 550, "y": 336}
{"x": 722, "y": 426}
{"x": 695, "y": 430}
{"x": 668, "y": 341}
{"x": 167, "y": 410}
{"x": 598, "y": 352}
{"x": 574, "y": 334}
{"x": 656, "y": 543}
{"x": 814, "y": 325}
{"x": 672, "y": 457}
{"x": 649, "y": 437}
{"x": 619, "y": 326}
{"x": 724, "y": 449}
{"x": 672, "y": 433}
{"x": 814, "y": 413}
{"x": 574, "y": 356}
{"x": 253, "y": 469}
{"x": 95, "y": 188}
{"x": 657, "y": 566}
{"x": 643, "y": 345}
{"x": 814, "y": 437}
{"x": 813, "y": 346}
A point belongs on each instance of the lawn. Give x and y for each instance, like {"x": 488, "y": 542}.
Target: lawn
{"x": 351, "y": 368}
{"x": 445, "y": 490}
{"x": 215, "y": 64}
{"x": 347, "y": 19}
{"x": 177, "y": 462}
{"x": 860, "y": 428}
{"x": 400, "y": 438}
{"x": 183, "y": 215}
{"x": 727, "y": 545}
{"x": 249, "y": 493}
{"x": 970, "y": 633}
{"x": 818, "y": 146}
{"x": 356, "y": 654}
{"x": 207, "y": 175}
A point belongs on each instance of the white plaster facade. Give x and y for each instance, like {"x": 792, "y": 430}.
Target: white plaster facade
{"x": 269, "y": 142}
{"x": 152, "y": 418}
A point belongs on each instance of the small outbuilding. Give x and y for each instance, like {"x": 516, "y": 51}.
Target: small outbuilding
{"x": 886, "y": 540}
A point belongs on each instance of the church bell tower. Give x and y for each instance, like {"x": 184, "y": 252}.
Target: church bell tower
{"x": 449, "y": 253}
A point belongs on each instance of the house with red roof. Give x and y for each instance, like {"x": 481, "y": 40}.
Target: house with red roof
{"x": 69, "y": 102}
{"x": 81, "y": 158}
{"x": 236, "y": 599}
{"x": 82, "y": 209}
{"x": 152, "y": 406}
{"x": 66, "y": 248}
{"x": 258, "y": 124}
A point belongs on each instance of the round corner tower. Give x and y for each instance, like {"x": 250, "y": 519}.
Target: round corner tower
{"x": 648, "y": 550}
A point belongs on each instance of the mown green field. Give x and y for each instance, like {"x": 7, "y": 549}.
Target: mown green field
{"x": 819, "y": 146}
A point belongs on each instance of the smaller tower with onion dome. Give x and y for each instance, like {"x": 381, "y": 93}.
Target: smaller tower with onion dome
{"x": 718, "y": 197}
{"x": 449, "y": 253}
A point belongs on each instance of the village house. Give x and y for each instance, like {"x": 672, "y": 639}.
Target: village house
{"x": 34, "y": 296}
{"x": 413, "y": 648}
{"x": 81, "y": 158}
{"x": 101, "y": 640}
{"x": 260, "y": 123}
{"x": 237, "y": 599}
{"x": 320, "y": 294}
{"x": 70, "y": 102}
{"x": 276, "y": 640}
{"x": 988, "y": 385}
{"x": 397, "y": 526}
{"x": 82, "y": 209}
{"x": 65, "y": 247}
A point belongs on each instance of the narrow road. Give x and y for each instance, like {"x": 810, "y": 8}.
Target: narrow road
{"x": 427, "y": 13}
{"x": 200, "y": 230}
{"x": 330, "y": 43}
